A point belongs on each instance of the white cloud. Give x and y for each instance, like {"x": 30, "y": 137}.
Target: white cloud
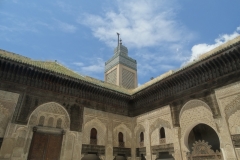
{"x": 94, "y": 67}
{"x": 141, "y": 23}
{"x": 238, "y": 28}
{"x": 200, "y": 49}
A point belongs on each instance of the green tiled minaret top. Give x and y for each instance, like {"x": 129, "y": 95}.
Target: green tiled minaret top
{"x": 121, "y": 57}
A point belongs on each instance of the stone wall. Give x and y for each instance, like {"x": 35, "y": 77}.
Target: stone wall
{"x": 8, "y": 102}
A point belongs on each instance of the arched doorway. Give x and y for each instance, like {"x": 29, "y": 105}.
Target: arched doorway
{"x": 203, "y": 142}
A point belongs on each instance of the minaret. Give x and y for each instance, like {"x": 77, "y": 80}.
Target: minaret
{"x": 121, "y": 70}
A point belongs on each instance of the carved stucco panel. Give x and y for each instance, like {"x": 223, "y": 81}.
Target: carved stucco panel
{"x": 234, "y": 123}
{"x": 51, "y": 112}
{"x": 193, "y": 113}
{"x": 101, "y": 131}
{"x": 127, "y": 135}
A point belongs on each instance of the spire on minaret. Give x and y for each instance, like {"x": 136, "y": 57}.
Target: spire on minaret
{"x": 118, "y": 38}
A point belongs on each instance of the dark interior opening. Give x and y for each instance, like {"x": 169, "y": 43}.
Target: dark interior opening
{"x": 93, "y": 133}
{"x": 120, "y": 137}
{"x": 141, "y": 137}
{"x": 206, "y": 133}
{"x": 162, "y": 133}
{"x": 1, "y": 141}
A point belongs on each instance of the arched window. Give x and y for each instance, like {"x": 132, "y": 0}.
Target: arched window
{"x": 162, "y": 133}
{"x": 141, "y": 137}
{"x": 50, "y": 122}
{"x": 59, "y": 123}
{"x": 93, "y": 136}
{"x": 41, "y": 121}
{"x": 120, "y": 137}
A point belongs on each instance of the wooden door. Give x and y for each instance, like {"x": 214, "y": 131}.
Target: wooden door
{"x": 45, "y": 146}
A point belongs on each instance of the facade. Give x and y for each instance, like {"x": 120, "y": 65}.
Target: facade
{"x": 49, "y": 112}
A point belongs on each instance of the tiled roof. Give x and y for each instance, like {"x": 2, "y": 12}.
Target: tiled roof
{"x": 60, "y": 69}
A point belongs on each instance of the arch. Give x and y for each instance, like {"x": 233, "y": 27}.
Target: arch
{"x": 126, "y": 132}
{"x": 188, "y": 130}
{"x": 59, "y": 123}
{"x": 162, "y": 133}
{"x": 101, "y": 131}
{"x": 41, "y": 121}
{"x": 50, "y": 122}
{"x": 158, "y": 124}
{"x": 233, "y": 107}
{"x": 139, "y": 128}
{"x": 50, "y": 109}
{"x": 192, "y": 104}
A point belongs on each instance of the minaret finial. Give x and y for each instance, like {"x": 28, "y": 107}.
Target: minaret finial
{"x": 118, "y": 38}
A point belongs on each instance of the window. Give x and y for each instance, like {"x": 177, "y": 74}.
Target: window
{"x": 141, "y": 137}
{"x": 162, "y": 133}
{"x": 120, "y": 139}
{"x": 93, "y": 136}
{"x": 41, "y": 121}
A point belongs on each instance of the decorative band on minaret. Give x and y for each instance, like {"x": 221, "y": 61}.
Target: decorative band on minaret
{"x": 121, "y": 69}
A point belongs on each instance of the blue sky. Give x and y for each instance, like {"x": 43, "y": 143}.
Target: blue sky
{"x": 161, "y": 35}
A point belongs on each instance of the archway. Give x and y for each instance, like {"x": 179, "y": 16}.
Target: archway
{"x": 205, "y": 133}
{"x": 203, "y": 142}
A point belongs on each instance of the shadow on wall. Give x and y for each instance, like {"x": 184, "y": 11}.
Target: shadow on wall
{"x": 206, "y": 133}
{"x": 91, "y": 157}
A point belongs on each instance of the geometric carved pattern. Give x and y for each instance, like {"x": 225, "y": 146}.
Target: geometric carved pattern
{"x": 201, "y": 150}
{"x": 234, "y": 123}
{"x": 51, "y": 112}
{"x": 232, "y": 107}
{"x": 127, "y": 79}
{"x": 194, "y": 115}
{"x": 101, "y": 131}
{"x": 112, "y": 77}
{"x": 127, "y": 135}
{"x": 193, "y": 103}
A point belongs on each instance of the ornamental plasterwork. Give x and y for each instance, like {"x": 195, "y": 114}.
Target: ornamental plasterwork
{"x": 192, "y": 104}
{"x": 234, "y": 123}
{"x": 101, "y": 131}
{"x": 157, "y": 124}
{"x": 232, "y": 107}
{"x": 228, "y": 90}
{"x": 9, "y": 96}
{"x": 105, "y": 115}
{"x": 196, "y": 115}
{"x": 49, "y": 110}
{"x": 127, "y": 135}
{"x": 155, "y": 114}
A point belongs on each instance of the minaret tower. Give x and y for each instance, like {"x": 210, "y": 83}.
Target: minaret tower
{"x": 121, "y": 70}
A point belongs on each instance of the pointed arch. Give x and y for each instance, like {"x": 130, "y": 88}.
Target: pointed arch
{"x": 158, "y": 124}
{"x": 49, "y": 110}
{"x": 192, "y": 104}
